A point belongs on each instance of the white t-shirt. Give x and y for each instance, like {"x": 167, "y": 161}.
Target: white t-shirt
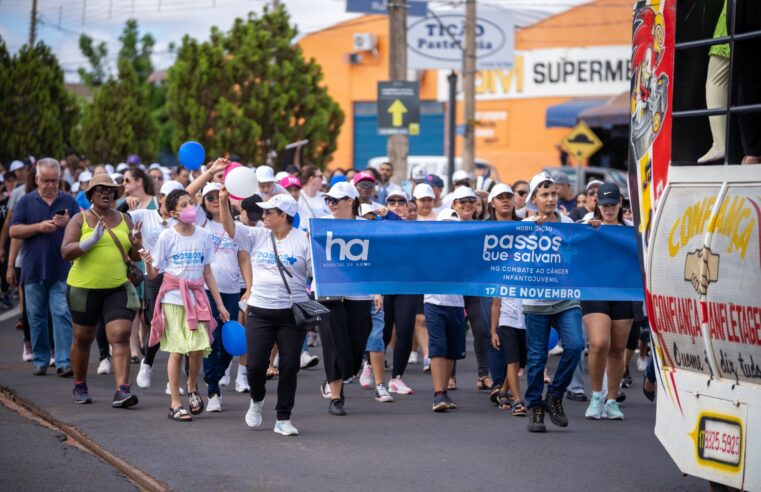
{"x": 225, "y": 268}
{"x": 541, "y": 302}
{"x": 152, "y": 226}
{"x": 315, "y": 206}
{"x": 511, "y": 313}
{"x": 444, "y": 300}
{"x": 267, "y": 289}
{"x": 182, "y": 256}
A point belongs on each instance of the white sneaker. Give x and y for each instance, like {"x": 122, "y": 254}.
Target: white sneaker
{"x": 254, "y": 414}
{"x": 382, "y": 395}
{"x": 52, "y": 362}
{"x": 285, "y": 428}
{"x": 642, "y": 364}
{"x": 398, "y": 386}
{"x": 426, "y": 364}
{"x": 366, "y": 379}
{"x": 325, "y": 390}
{"x": 308, "y": 360}
{"x": 144, "y": 376}
{"x": 105, "y": 366}
{"x": 241, "y": 380}
{"x": 214, "y": 404}
{"x": 27, "y": 355}
{"x": 414, "y": 358}
{"x": 226, "y": 378}
{"x": 169, "y": 391}
{"x": 556, "y": 350}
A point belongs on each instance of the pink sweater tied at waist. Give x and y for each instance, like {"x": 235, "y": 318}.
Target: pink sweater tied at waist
{"x": 194, "y": 312}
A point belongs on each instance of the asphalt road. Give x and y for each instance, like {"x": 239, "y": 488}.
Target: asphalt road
{"x": 396, "y": 446}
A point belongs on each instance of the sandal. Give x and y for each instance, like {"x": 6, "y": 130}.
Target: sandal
{"x": 494, "y": 395}
{"x": 505, "y": 403}
{"x": 484, "y": 383}
{"x": 518, "y": 409}
{"x": 452, "y": 384}
{"x": 195, "y": 402}
{"x": 272, "y": 373}
{"x": 179, "y": 414}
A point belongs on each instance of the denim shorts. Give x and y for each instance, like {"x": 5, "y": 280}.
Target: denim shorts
{"x": 446, "y": 331}
{"x": 375, "y": 340}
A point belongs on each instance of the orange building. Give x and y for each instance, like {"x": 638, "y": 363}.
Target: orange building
{"x": 563, "y": 64}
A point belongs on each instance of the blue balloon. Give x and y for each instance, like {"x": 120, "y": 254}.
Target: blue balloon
{"x": 553, "y": 340}
{"x": 234, "y": 338}
{"x": 191, "y": 155}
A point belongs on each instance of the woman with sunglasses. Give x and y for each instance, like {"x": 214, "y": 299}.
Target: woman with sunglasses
{"x": 520, "y": 188}
{"x": 344, "y": 332}
{"x": 607, "y": 323}
{"x": 98, "y": 287}
{"x": 590, "y": 203}
{"x": 311, "y": 197}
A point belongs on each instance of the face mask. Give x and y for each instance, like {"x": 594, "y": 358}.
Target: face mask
{"x": 188, "y": 215}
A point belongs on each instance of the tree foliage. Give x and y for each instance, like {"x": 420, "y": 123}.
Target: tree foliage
{"x": 97, "y": 56}
{"x": 137, "y": 50}
{"x": 251, "y": 92}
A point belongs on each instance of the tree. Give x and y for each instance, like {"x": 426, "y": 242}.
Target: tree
{"x": 119, "y": 121}
{"x": 97, "y": 55}
{"x": 250, "y": 91}
{"x": 138, "y": 56}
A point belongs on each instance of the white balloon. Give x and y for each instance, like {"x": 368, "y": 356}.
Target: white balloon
{"x": 241, "y": 182}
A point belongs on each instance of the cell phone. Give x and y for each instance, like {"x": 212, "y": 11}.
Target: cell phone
{"x": 61, "y": 212}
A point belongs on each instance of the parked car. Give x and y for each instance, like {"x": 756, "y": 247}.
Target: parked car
{"x": 580, "y": 176}
{"x": 438, "y": 165}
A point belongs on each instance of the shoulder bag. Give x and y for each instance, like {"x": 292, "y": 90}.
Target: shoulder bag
{"x": 134, "y": 274}
{"x": 306, "y": 313}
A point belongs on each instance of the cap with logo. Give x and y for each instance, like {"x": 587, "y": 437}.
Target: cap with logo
{"x": 447, "y": 214}
{"x": 498, "y": 189}
{"x": 463, "y": 192}
{"x": 283, "y": 202}
{"x": 423, "y": 190}
{"x": 170, "y": 186}
{"x": 289, "y": 181}
{"x": 364, "y": 176}
{"x": 534, "y": 184}
{"x": 265, "y": 174}
{"x": 342, "y": 190}
{"x": 608, "y": 194}
{"x": 211, "y": 187}
{"x": 435, "y": 181}
{"x": 418, "y": 173}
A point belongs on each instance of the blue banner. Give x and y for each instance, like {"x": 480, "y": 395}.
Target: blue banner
{"x": 491, "y": 259}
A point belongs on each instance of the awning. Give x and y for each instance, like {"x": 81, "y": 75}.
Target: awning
{"x": 566, "y": 114}
{"x": 615, "y": 112}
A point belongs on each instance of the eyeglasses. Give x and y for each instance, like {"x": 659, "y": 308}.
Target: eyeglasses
{"x": 522, "y": 192}
{"x": 366, "y": 185}
{"x": 268, "y": 211}
{"x": 211, "y": 198}
{"x": 329, "y": 200}
{"x": 49, "y": 181}
{"x": 469, "y": 200}
{"x": 104, "y": 190}
{"x": 400, "y": 201}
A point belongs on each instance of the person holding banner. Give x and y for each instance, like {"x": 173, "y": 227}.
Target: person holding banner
{"x": 607, "y": 323}
{"x": 540, "y": 315}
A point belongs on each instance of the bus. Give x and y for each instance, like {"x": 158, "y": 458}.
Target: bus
{"x": 695, "y": 134}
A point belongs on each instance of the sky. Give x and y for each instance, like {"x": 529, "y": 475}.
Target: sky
{"x": 62, "y": 21}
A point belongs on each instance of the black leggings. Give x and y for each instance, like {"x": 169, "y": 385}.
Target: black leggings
{"x": 150, "y": 292}
{"x": 264, "y": 328}
{"x": 344, "y": 334}
{"x": 400, "y": 311}
{"x": 479, "y": 315}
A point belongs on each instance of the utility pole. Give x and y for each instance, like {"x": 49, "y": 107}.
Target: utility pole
{"x": 398, "y": 145}
{"x": 275, "y": 4}
{"x": 469, "y": 87}
{"x": 33, "y": 24}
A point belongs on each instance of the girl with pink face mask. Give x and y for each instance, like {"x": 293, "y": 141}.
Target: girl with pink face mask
{"x": 182, "y": 319}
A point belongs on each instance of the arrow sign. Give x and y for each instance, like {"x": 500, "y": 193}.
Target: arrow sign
{"x": 397, "y": 110}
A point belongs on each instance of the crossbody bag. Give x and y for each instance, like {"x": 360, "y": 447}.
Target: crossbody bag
{"x": 134, "y": 274}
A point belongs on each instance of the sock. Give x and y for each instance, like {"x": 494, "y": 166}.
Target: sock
{"x": 242, "y": 370}
{"x": 598, "y": 394}
{"x": 609, "y": 400}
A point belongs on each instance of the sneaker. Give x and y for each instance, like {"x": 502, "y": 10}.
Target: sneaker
{"x": 123, "y": 397}
{"x": 27, "y": 355}
{"x": 285, "y": 428}
{"x": 556, "y": 350}
{"x": 382, "y": 394}
{"x": 40, "y": 370}
{"x": 241, "y": 380}
{"x": 576, "y": 395}
{"x": 308, "y": 360}
{"x": 426, "y": 364}
{"x": 80, "y": 394}
{"x": 104, "y": 367}
{"x": 64, "y": 372}
{"x": 254, "y": 414}
{"x": 594, "y": 410}
{"x": 349, "y": 380}
{"x": 398, "y": 386}
{"x": 612, "y": 411}
{"x": 226, "y": 378}
{"x": 439, "y": 403}
{"x": 52, "y": 361}
{"x": 536, "y": 420}
{"x": 325, "y": 390}
{"x": 214, "y": 404}
{"x": 414, "y": 358}
{"x": 144, "y": 375}
{"x": 168, "y": 391}
{"x": 621, "y": 396}
{"x": 642, "y": 363}
{"x": 555, "y": 410}
{"x": 626, "y": 381}
{"x": 451, "y": 405}
{"x": 366, "y": 379}
{"x": 336, "y": 407}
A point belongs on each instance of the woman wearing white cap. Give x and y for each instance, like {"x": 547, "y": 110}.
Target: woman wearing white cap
{"x": 265, "y": 175}
{"x": 424, "y": 198}
{"x": 273, "y": 247}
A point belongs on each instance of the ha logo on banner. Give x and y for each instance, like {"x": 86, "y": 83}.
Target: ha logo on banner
{"x": 437, "y": 42}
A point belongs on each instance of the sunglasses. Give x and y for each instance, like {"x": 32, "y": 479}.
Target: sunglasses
{"x": 268, "y": 211}
{"x": 104, "y": 190}
{"x": 329, "y": 200}
{"x": 522, "y": 192}
{"x": 470, "y": 200}
{"x": 366, "y": 185}
{"x": 211, "y": 198}
{"x": 400, "y": 201}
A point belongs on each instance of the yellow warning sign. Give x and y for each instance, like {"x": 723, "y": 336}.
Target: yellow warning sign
{"x": 582, "y": 142}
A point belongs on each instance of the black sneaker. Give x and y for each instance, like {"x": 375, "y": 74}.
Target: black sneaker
{"x": 580, "y": 396}
{"x": 555, "y": 410}
{"x": 451, "y": 405}
{"x": 336, "y": 407}
{"x": 626, "y": 381}
{"x": 80, "y": 394}
{"x": 123, "y": 398}
{"x": 621, "y": 397}
{"x": 64, "y": 372}
{"x": 536, "y": 419}
{"x": 439, "y": 403}
{"x": 40, "y": 370}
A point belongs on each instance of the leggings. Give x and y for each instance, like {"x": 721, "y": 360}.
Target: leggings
{"x": 151, "y": 291}
{"x": 400, "y": 313}
{"x": 215, "y": 365}
{"x": 344, "y": 334}
{"x": 479, "y": 315}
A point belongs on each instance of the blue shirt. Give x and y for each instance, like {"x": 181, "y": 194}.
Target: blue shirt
{"x": 42, "y": 258}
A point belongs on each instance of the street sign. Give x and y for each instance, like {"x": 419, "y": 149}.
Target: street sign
{"x": 582, "y": 142}
{"x": 415, "y": 8}
{"x": 398, "y": 108}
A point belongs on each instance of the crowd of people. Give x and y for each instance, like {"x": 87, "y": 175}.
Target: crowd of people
{"x": 148, "y": 259}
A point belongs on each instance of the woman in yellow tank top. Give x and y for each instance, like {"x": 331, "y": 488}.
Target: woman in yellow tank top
{"x": 98, "y": 287}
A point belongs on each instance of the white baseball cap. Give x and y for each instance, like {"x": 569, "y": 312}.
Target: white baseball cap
{"x": 211, "y": 187}
{"x": 122, "y": 167}
{"x": 447, "y": 214}
{"x": 342, "y": 190}
{"x": 534, "y": 184}
{"x": 593, "y": 183}
{"x": 75, "y": 187}
{"x": 281, "y": 175}
{"x": 170, "y": 186}
{"x": 265, "y": 174}
{"x": 367, "y": 208}
{"x": 499, "y": 189}
{"x": 16, "y": 165}
{"x": 85, "y": 176}
{"x": 111, "y": 170}
{"x": 423, "y": 190}
{"x": 460, "y": 176}
{"x": 419, "y": 173}
{"x": 283, "y": 202}
{"x": 155, "y": 165}
{"x": 463, "y": 192}
{"x": 397, "y": 192}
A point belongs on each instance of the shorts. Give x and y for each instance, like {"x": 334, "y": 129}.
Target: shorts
{"x": 615, "y": 310}
{"x": 375, "y": 340}
{"x": 513, "y": 341}
{"x": 89, "y": 306}
{"x": 446, "y": 331}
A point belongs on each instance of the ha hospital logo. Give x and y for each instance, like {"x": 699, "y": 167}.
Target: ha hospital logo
{"x": 348, "y": 250}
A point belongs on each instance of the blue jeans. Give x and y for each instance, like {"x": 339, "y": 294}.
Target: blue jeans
{"x": 568, "y": 325}
{"x": 577, "y": 383}
{"x": 42, "y": 297}
{"x": 215, "y": 365}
